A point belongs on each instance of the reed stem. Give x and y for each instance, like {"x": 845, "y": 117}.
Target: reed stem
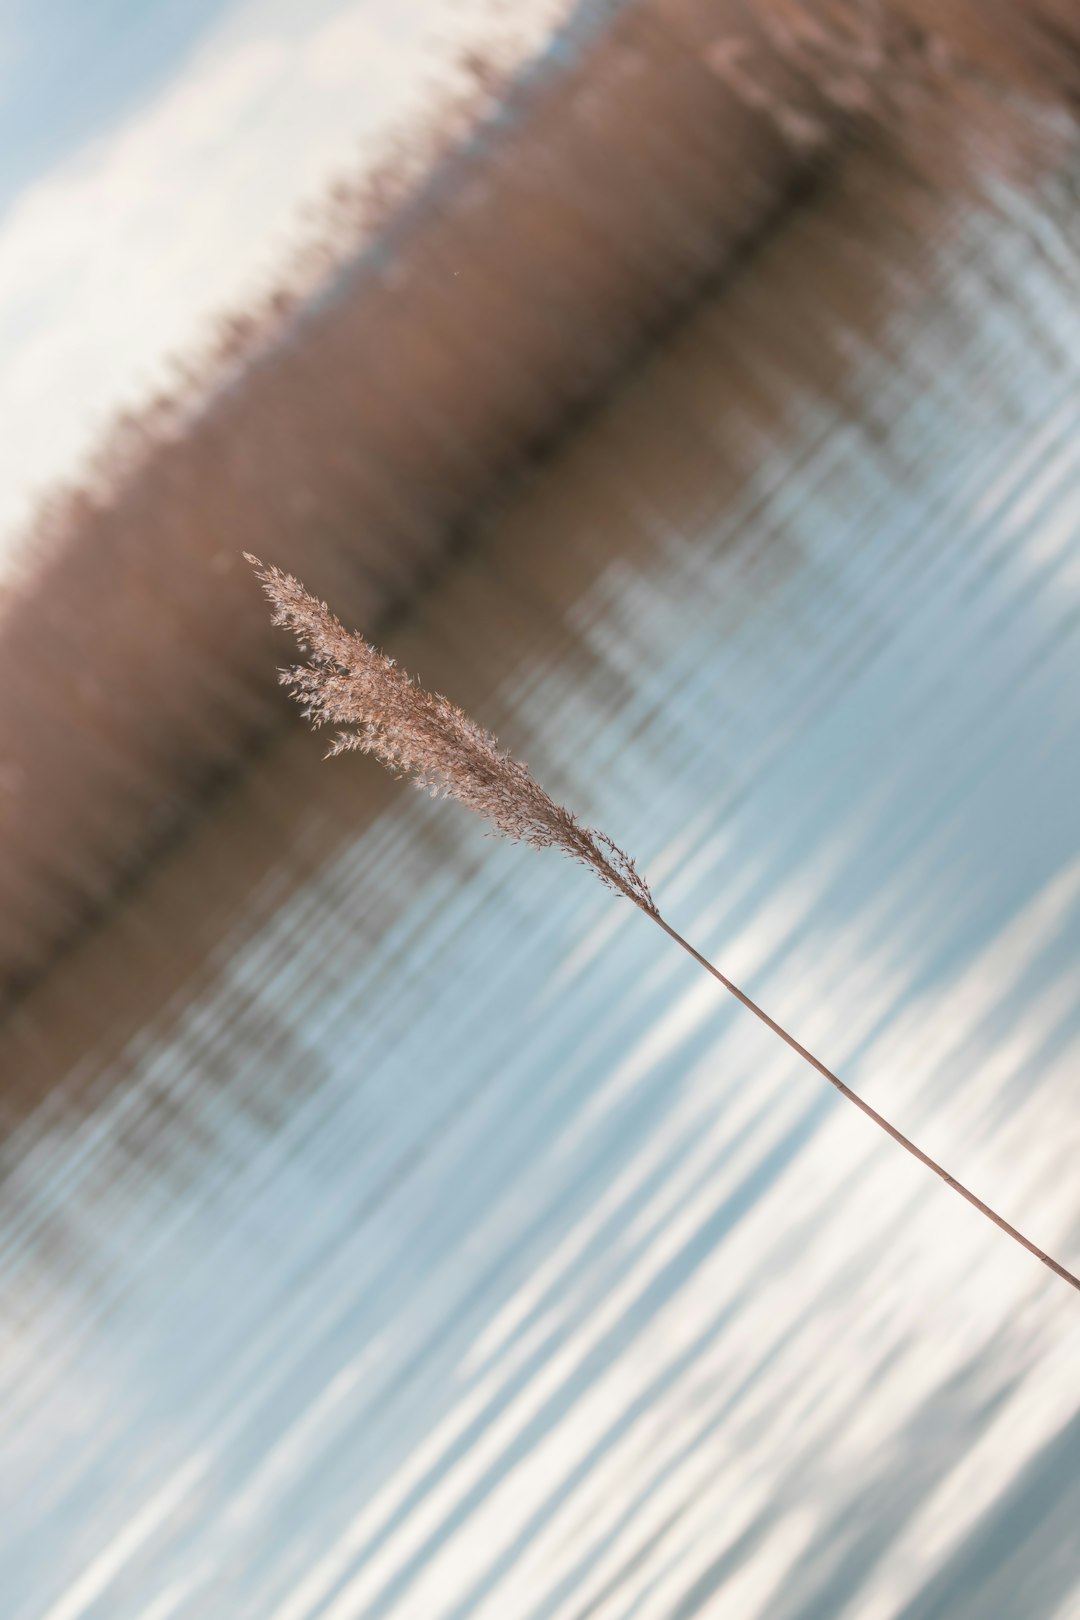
{"x": 871, "y": 1113}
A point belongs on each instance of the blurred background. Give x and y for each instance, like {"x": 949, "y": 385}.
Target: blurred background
{"x": 392, "y": 1223}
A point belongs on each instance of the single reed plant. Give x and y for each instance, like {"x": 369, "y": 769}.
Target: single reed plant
{"x": 421, "y": 736}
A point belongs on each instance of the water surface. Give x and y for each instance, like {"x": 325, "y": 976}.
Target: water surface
{"x": 395, "y": 1223}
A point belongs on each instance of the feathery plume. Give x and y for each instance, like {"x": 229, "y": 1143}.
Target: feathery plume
{"x": 423, "y": 736}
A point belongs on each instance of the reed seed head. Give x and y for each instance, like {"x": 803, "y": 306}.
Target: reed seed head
{"x": 421, "y": 735}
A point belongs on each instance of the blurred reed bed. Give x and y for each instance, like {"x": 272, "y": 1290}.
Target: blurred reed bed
{"x": 463, "y": 303}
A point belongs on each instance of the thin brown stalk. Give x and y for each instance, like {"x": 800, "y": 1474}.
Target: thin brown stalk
{"x": 871, "y": 1113}
{"x": 421, "y": 735}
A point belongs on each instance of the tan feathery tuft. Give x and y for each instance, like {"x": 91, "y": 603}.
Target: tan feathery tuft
{"x": 421, "y": 735}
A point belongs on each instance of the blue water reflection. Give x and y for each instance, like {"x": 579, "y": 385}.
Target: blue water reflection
{"x": 407, "y": 1229}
